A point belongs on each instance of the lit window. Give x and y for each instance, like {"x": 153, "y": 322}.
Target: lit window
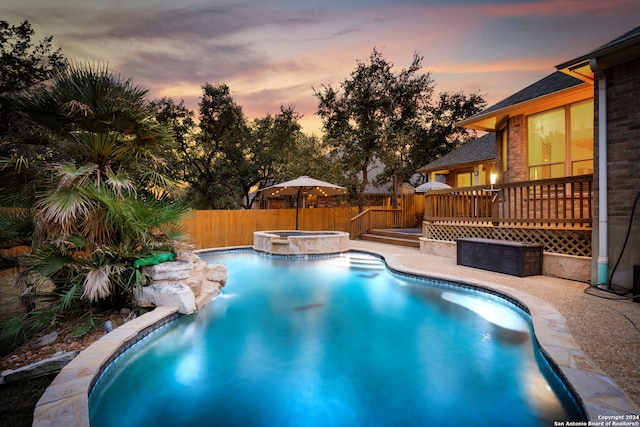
{"x": 560, "y": 141}
{"x": 464, "y": 179}
{"x": 582, "y": 138}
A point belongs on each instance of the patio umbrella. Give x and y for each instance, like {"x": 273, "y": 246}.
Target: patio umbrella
{"x": 303, "y": 186}
{"x": 431, "y": 185}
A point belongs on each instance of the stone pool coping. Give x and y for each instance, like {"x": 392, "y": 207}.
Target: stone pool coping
{"x": 297, "y": 242}
{"x": 65, "y": 401}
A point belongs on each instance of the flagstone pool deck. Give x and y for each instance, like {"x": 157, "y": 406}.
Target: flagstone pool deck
{"x": 595, "y": 342}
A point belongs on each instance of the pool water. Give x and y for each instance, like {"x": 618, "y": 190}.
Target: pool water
{"x": 337, "y": 341}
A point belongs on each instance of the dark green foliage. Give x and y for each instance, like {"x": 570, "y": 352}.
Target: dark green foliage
{"x": 23, "y": 64}
{"x": 225, "y": 158}
{"x": 386, "y": 118}
{"x": 103, "y": 203}
{"x": 373, "y": 107}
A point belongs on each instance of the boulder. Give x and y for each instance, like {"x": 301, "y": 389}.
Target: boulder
{"x": 209, "y": 291}
{"x": 169, "y": 271}
{"x": 172, "y": 294}
{"x": 195, "y": 283}
{"x": 217, "y": 273}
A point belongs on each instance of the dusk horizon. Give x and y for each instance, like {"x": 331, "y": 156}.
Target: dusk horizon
{"x": 275, "y": 53}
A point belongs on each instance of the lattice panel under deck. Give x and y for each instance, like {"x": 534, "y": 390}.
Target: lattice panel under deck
{"x": 562, "y": 241}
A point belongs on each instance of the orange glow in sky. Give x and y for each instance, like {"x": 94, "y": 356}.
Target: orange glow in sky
{"x": 275, "y": 52}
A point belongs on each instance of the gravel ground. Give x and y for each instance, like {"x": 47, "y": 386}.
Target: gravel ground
{"x": 607, "y": 331}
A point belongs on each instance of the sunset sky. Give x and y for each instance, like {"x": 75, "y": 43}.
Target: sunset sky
{"x": 274, "y": 52}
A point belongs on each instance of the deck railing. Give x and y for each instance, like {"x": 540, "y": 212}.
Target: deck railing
{"x": 551, "y": 203}
{"x": 408, "y": 215}
{"x": 375, "y": 217}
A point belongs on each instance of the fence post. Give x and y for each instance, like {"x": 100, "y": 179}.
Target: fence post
{"x": 495, "y": 211}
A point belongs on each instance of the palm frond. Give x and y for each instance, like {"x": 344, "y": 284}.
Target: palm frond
{"x": 121, "y": 184}
{"x": 84, "y": 96}
{"x": 97, "y": 284}
{"x": 160, "y": 185}
{"x": 70, "y": 175}
{"x": 61, "y": 211}
{"x": 16, "y": 227}
{"x": 45, "y": 261}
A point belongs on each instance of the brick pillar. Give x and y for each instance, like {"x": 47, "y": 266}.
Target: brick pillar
{"x": 516, "y": 153}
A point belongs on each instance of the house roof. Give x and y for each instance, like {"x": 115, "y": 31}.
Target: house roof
{"x": 552, "y": 83}
{"x": 553, "y": 90}
{"x": 620, "y": 50}
{"x": 573, "y": 82}
{"x": 478, "y": 150}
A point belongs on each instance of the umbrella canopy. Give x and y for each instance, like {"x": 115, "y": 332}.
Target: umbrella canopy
{"x": 431, "y": 185}
{"x": 303, "y": 186}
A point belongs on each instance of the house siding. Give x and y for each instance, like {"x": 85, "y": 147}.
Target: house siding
{"x": 623, "y": 156}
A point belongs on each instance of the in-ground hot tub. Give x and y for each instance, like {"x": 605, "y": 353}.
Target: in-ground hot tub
{"x": 292, "y": 242}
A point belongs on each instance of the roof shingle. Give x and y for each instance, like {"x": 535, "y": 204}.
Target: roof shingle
{"x": 554, "y": 82}
{"x": 480, "y": 149}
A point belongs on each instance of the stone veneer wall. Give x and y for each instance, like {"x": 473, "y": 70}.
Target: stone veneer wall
{"x": 290, "y": 242}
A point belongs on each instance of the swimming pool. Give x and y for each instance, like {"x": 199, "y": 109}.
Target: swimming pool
{"x": 335, "y": 341}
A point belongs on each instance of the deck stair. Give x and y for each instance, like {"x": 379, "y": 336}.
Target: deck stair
{"x": 409, "y": 238}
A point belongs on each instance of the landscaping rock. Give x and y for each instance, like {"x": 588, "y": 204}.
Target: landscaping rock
{"x": 188, "y": 283}
{"x": 171, "y": 294}
{"x": 217, "y": 273}
{"x": 45, "y": 340}
{"x": 38, "y": 369}
{"x": 169, "y": 271}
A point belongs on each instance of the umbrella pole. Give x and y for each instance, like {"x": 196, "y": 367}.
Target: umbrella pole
{"x": 297, "y": 207}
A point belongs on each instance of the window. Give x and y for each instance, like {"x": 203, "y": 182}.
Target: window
{"x": 560, "y": 141}
{"x": 503, "y": 143}
{"x": 464, "y": 179}
{"x": 582, "y": 138}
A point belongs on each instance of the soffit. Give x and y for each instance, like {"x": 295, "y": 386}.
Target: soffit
{"x": 487, "y": 122}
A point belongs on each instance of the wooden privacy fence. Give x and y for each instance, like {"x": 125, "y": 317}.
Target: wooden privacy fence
{"x": 221, "y": 228}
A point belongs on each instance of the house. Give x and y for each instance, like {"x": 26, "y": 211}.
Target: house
{"x": 471, "y": 164}
{"x": 613, "y": 72}
{"x": 542, "y": 131}
{"x": 381, "y": 195}
{"x": 567, "y": 155}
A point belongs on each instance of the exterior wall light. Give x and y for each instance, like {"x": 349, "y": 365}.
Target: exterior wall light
{"x": 493, "y": 179}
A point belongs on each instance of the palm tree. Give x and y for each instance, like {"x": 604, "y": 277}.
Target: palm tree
{"x": 106, "y": 200}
